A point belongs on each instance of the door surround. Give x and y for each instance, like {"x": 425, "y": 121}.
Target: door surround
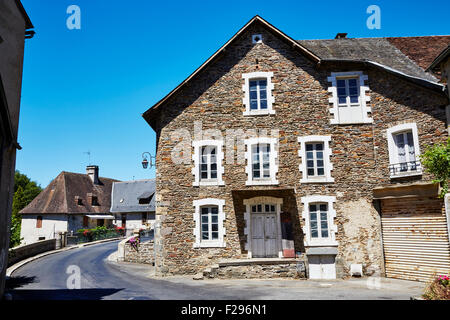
{"x": 248, "y": 224}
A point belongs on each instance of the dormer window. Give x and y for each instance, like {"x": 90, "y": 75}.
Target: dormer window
{"x": 258, "y": 97}
{"x": 349, "y": 98}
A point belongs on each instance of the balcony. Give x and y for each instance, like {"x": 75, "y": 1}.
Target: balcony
{"x": 405, "y": 169}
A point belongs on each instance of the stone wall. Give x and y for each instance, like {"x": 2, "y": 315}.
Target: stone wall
{"x": 26, "y": 251}
{"x": 289, "y": 270}
{"x": 359, "y": 152}
{"x": 143, "y": 254}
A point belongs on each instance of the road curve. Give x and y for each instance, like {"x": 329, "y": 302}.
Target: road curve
{"x": 46, "y": 279}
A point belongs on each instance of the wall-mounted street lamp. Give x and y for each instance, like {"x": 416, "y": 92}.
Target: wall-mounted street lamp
{"x": 147, "y": 159}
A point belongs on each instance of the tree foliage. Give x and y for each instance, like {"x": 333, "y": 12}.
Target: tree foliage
{"x": 25, "y": 191}
{"x": 436, "y": 160}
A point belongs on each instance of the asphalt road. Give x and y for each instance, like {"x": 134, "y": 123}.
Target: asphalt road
{"x": 47, "y": 277}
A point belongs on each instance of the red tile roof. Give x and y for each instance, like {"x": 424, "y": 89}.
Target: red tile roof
{"x": 422, "y": 50}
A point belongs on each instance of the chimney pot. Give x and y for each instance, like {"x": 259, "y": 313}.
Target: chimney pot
{"x": 92, "y": 172}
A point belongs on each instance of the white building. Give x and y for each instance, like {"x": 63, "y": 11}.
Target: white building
{"x": 72, "y": 201}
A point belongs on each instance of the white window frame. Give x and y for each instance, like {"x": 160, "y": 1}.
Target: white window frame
{"x": 198, "y": 145}
{"x": 272, "y": 180}
{"x": 199, "y": 243}
{"x": 363, "y": 98}
{"x": 393, "y": 152}
{"x": 328, "y": 166}
{"x": 246, "y": 88}
{"x": 332, "y": 228}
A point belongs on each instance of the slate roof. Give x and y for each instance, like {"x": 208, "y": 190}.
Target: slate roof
{"x": 379, "y": 50}
{"x": 422, "y": 50}
{"x": 126, "y": 195}
{"x": 59, "y": 196}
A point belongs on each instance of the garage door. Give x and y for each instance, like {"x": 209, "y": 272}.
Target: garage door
{"x": 415, "y": 238}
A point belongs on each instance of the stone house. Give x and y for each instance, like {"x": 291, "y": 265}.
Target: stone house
{"x": 72, "y": 201}
{"x": 133, "y": 204}
{"x": 277, "y": 150}
{"x": 15, "y": 27}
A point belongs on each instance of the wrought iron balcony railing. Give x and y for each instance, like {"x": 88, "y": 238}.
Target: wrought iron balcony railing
{"x": 405, "y": 168}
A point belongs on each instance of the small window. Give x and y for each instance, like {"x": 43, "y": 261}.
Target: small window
{"x": 315, "y": 156}
{"x": 257, "y": 38}
{"x": 209, "y": 231}
{"x": 208, "y": 163}
{"x": 39, "y": 222}
{"x": 315, "y": 160}
{"x": 258, "y": 98}
{"x": 404, "y": 150}
{"x": 261, "y": 161}
{"x": 94, "y": 201}
{"x": 258, "y": 94}
{"x": 210, "y": 223}
{"x": 318, "y": 215}
{"x": 144, "y": 217}
{"x": 348, "y": 92}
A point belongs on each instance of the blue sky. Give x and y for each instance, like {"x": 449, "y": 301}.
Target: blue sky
{"x": 85, "y": 90}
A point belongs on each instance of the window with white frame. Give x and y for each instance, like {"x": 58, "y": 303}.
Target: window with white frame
{"x": 316, "y": 164}
{"x": 261, "y": 158}
{"x": 403, "y": 144}
{"x": 318, "y": 215}
{"x": 209, "y": 219}
{"x": 258, "y": 98}
{"x": 349, "y": 98}
{"x": 208, "y": 163}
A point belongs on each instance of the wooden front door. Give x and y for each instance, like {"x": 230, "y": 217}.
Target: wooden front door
{"x": 264, "y": 232}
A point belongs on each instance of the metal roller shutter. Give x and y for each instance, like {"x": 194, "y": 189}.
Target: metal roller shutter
{"x": 415, "y": 238}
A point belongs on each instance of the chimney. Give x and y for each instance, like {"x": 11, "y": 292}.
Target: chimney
{"x": 92, "y": 172}
{"x": 341, "y": 36}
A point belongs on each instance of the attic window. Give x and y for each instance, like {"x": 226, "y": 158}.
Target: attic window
{"x": 257, "y": 38}
{"x": 79, "y": 200}
{"x": 95, "y": 201}
{"x": 145, "y": 198}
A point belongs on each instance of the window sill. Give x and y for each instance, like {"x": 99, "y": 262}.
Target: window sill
{"x": 368, "y": 121}
{"x": 261, "y": 182}
{"x": 208, "y": 183}
{"x": 317, "y": 180}
{"x": 258, "y": 112}
{"x": 212, "y": 244}
{"x": 325, "y": 243}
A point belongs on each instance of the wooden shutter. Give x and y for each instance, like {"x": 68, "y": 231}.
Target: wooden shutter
{"x": 415, "y": 238}
{"x": 39, "y": 222}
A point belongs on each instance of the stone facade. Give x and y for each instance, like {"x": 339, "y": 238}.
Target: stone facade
{"x": 143, "y": 254}
{"x": 359, "y": 151}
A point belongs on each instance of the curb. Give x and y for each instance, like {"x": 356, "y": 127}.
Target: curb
{"x": 16, "y": 266}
